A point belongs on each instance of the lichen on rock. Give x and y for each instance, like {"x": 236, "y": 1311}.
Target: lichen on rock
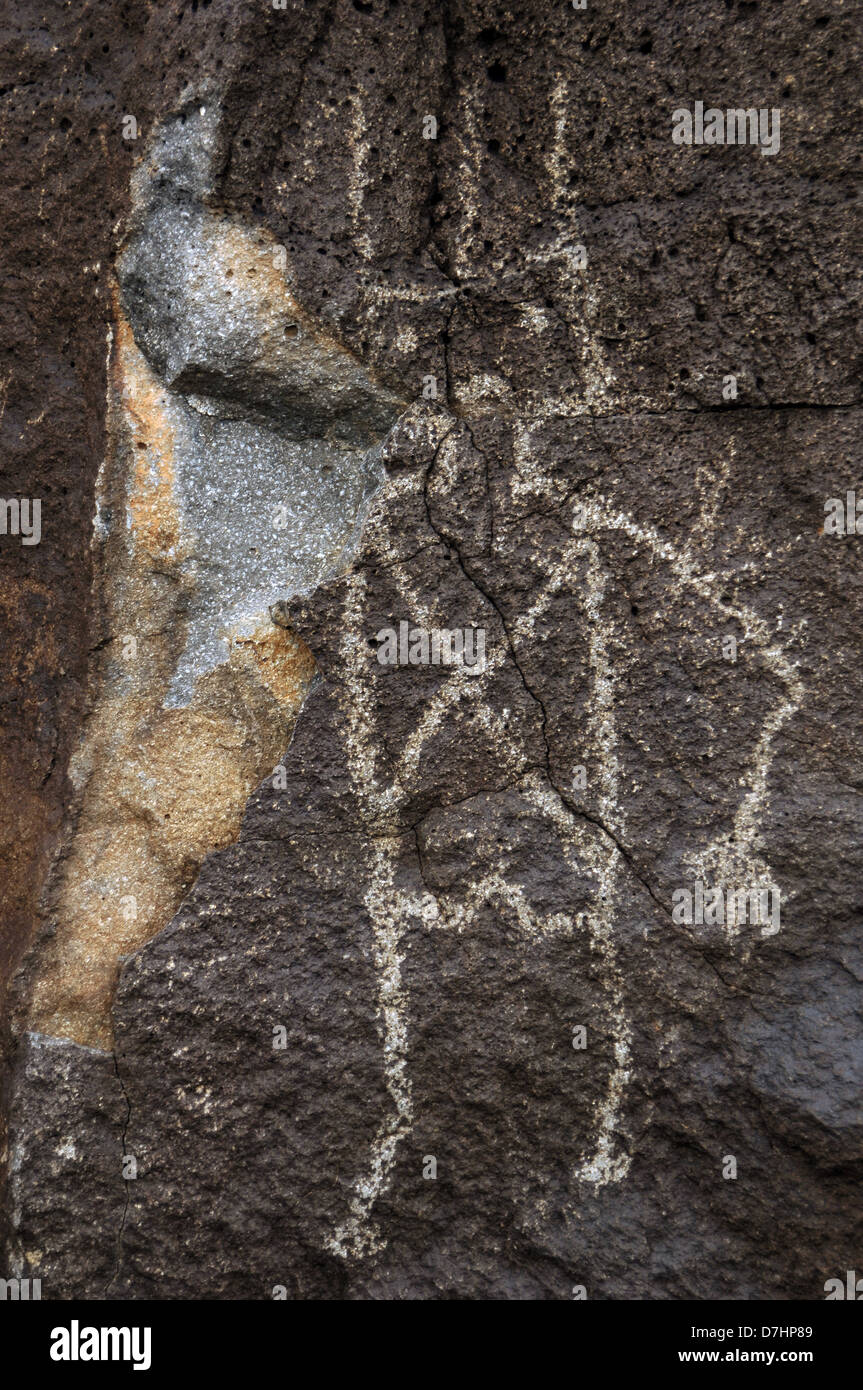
{"x": 242, "y": 458}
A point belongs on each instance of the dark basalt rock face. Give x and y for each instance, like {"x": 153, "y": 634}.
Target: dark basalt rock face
{"x": 433, "y": 1027}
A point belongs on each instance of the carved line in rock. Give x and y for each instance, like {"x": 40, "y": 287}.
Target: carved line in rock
{"x": 732, "y": 860}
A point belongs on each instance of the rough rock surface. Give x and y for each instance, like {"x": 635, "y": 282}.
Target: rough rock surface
{"x": 349, "y": 1065}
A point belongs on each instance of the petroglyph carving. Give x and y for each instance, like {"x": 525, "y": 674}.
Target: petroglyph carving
{"x": 732, "y": 860}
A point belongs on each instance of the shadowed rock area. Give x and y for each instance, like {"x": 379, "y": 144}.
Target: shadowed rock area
{"x": 404, "y": 1005}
